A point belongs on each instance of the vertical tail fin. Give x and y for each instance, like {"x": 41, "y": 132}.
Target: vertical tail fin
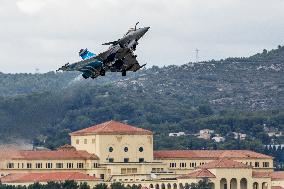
{"x": 85, "y": 54}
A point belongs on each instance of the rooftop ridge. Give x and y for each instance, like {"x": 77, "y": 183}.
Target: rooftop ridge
{"x": 112, "y": 127}
{"x": 47, "y": 154}
{"x": 209, "y": 154}
{"x": 224, "y": 163}
{"x": 45, "y": 177}
{"x": 202, "y": 173}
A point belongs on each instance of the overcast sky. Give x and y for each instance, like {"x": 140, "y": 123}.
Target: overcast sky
{"x": 45, "y": 34}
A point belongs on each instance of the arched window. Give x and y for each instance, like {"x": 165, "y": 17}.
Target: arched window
{"x": 169, "y": 186}
{"x": 255, "y": 185}
{"x": 223, "y": 184}
{"x": 244, "y": 183}
{"x": 233, "y": 183}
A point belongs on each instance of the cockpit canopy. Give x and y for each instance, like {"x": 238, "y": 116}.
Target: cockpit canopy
{"x": 130, "y": 30}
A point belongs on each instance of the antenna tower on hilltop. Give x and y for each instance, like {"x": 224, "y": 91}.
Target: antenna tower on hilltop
{"x": 197, "y": 55}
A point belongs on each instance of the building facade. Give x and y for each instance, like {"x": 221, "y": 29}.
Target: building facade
{"x": 116, "y": 152}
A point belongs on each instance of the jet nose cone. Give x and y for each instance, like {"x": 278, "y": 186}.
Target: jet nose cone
{"x": 144, "y": 30}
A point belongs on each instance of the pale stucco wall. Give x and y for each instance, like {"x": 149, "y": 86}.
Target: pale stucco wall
{"x": 100, "y": 144}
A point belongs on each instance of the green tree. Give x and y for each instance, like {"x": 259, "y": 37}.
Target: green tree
{"x": 101, "y": 186}
{"x": 84, "y": 186}
{"x": 117, "y": 185}
{"x": 70, "y": 184}
{"x": 202, "y": 184}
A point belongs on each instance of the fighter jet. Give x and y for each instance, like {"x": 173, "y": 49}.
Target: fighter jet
{"x": 119, "y": 57}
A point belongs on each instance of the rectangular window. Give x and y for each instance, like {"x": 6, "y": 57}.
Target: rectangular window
{"x": 123, "y": 171}
{"x": 29, "y": 165}
{"x": 126, "y": 160}
{"x": 110, "y": 160}
{"x": 38, "y": 165}
{"x": 265, "y": 164}
{"x": 10, "y": 165}
{"x": 141, "y": 160}
{"x": 48, "y": 165}
{"x": 256, "y": 164}
{"x": 134, "y": 170}
{"x": 85, "y": 141}
{"x": 59, "y": 165}
{"x": 96, "y": 165}
{"x": 182, "y": 164}
{"x": 69, "y": 165}
{"x": 80, "y": 165}
{"x": 102, "y": 176}
{"x": 77, "y": 141}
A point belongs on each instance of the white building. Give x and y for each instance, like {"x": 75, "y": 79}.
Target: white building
{"x": 240, "y": 136}
{"x": 218, "y": 139}
{"x": 205, "y": 134}
{"x": 177, "y": 134}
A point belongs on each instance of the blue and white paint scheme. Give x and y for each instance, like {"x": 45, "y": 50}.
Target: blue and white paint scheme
{"x": 85, "y": 54}
{"x": 119, "y": 57}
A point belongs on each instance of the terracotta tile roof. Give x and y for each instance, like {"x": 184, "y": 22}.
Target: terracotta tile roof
{"x": 8, "y": 153}
{"x": 276, "y": 187}
{"x": 45, "y": 177}
{"x": 112, "y": 127}
{"x": 277, "y": 175}
{"x": 47, "y": 155}
{"x": 223, "y": 163}
{"x": 203, "y": 173}
{"x": 256, "y": 174}
{"x": 208, "y": 154}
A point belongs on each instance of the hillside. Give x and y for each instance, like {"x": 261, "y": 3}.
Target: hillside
{"x": 253, "y": 83}
{"x": 235, "y": 94}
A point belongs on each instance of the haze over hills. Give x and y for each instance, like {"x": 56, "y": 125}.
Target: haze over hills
{"x": 45, "y": 107}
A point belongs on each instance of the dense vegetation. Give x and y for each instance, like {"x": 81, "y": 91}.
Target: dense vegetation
{"x": 231, "y": 95}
